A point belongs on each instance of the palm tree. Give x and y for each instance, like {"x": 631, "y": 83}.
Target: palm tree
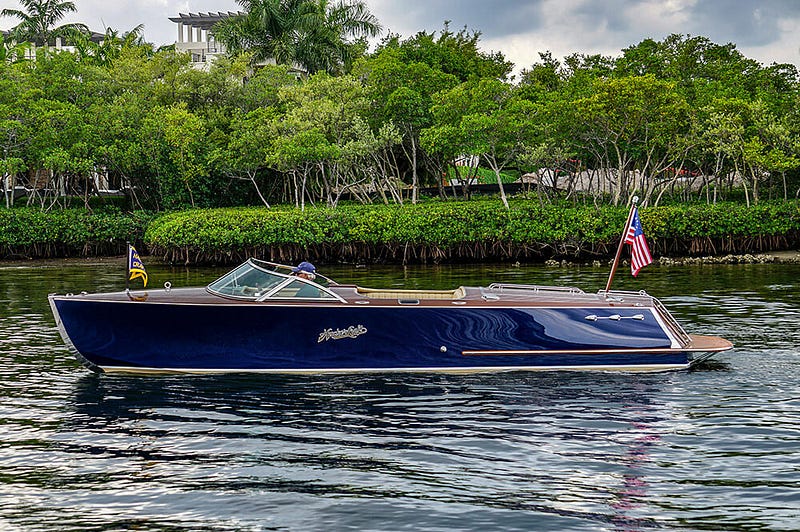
{"x": 325, "y": 47}
{"x": 11, "y": 52}
{"x": 109, "y": 49}
{"x": 266, "y": 29}
{"x": 310, "y": 34}
{"x": 38, "y": 20}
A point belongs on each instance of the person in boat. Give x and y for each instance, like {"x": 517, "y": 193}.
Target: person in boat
{"x": 306, "y": 270}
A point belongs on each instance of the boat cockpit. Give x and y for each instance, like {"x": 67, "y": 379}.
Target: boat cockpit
{"x": 258, "y": 280}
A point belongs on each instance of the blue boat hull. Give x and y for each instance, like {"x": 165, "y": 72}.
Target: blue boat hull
{"x": 116, "y": 336}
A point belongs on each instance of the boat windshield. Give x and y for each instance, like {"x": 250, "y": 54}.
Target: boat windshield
{"x": 287, "y": 270}
{"x": 258, "y": 279}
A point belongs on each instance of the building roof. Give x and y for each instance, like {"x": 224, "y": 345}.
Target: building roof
{"x": 204, "y": 20}
{"x": 93, "y": 36}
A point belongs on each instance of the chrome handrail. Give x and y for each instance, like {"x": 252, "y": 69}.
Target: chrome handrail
{"x": 672, "y": 323}
{"x": 536, "y": 288}
{"x": 625, "y": 293}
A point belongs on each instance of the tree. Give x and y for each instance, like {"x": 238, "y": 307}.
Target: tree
{"x": 452, "y": 53}
{"x": 701, "y": 68}
{"x": 756, "y": 144}
{"x": 249, "y": 147}
{"x": 263, "y": 87}
{"x": 109, "y": 49}
{"x": 59, "y": 144}
{"x": 312, "y": 141}
{"x": 9, "y": 168}
{"x": 545, "y": 76}
{"x": 310, "y": 34}
{"x": 14, "y": 99}
{"x": 38, "y": 20}
{"x": 489, "y": 121}
{"x": 325, "y": 47}
{"x": 401, "y": 94}
{"x": 11, "y": 52}
{"x": 172, "y": 141}
{"x": 632, "y": 126}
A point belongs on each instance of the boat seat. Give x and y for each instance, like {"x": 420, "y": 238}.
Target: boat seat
{"x": 373, "y": 293}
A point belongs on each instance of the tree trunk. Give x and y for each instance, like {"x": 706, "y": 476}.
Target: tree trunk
{"x": 414, "y": 177}
{"x": 251, "y": 174}
{"x": 785, "y": 188}
{"x": 496, "y": 168}
{"x": 744, "y": 184}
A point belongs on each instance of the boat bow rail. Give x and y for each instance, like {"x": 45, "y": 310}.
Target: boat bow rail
{"x": 570, "y": 290}
{"x": 553, "y": 293}
{"x": 674, "y": 327}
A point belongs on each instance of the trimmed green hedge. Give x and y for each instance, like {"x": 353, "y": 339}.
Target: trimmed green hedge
{"x": 432, "y": 231}
{"x": 29, "y": 232}
{"x": 465, "y": 231}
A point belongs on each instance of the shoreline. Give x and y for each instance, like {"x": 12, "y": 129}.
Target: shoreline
{"x": 772, "y": 257}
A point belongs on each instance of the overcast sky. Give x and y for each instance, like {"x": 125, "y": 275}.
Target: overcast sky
{"x": 766, "y": 30}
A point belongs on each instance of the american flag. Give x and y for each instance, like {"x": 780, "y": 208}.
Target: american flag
{"x": 640, "y": 253}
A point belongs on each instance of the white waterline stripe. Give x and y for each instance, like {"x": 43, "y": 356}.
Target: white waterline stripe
{"x": 454, "y": 370}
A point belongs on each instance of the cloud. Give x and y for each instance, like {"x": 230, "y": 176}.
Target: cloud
{"x": 491, "y": 18}
{"x": 765, "y": 30}
{"x": 745, "y": 23}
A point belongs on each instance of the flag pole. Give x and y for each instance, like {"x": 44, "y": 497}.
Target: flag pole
{"x": 634, "y": 201}
{"x": 128, "y": 268}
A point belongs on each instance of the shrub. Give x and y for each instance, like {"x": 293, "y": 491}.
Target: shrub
{"x": 465, "y": 231}
{"x": 28, "y": 232}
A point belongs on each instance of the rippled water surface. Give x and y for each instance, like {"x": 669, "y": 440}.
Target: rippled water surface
{"x": 717, "y": 448}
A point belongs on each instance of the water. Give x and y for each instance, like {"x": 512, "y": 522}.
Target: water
{"x": 716, "y": 448}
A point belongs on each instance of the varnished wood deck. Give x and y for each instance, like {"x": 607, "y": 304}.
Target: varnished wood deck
{"x": 708, "y": 344}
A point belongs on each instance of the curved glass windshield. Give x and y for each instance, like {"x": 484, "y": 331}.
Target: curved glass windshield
{"x": 257, "y": 279}
{"x": 246, "y": 281}
{"x": 287, "y": 270}
{"x": 302, "y": 289}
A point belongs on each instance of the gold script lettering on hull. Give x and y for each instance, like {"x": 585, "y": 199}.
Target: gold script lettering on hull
{"x": 354, "y": 331}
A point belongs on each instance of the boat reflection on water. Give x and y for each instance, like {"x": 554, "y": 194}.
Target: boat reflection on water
{"x": 632, "y": 493}
{"x": 488, "y": 442}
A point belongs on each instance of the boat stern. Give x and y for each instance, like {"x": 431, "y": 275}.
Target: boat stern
{"x": 702, "y": 348}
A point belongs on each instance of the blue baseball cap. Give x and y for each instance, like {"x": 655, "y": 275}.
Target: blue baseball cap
{"x": 304, "y": 267}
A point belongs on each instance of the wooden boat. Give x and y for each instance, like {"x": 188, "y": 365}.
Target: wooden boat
{"x": 261, "y": 318}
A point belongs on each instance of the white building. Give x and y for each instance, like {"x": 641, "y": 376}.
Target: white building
{"x": 58, "y": 43}
{"x": 196, "y": 36}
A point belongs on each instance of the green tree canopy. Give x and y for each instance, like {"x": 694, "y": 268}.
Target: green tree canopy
{"x": 458, "y": 53}
{"x": 310, "y": 34}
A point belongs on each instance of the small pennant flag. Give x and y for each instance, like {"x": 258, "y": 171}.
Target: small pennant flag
{"x": 640, "y": 253}
{"x": 135, "y": 266}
